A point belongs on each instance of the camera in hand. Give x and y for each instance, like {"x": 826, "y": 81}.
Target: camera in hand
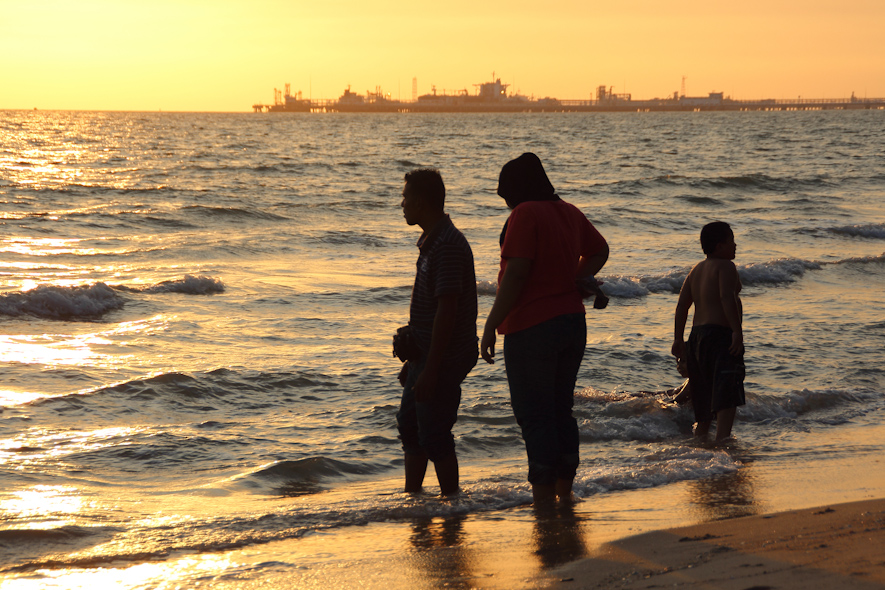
{"x": 405, "y": 348}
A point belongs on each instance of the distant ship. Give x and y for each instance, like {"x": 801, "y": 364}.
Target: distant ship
{"x": 373, "y": 102}
{"x": 285, "y": 103}
{"x": 492, "y": 97}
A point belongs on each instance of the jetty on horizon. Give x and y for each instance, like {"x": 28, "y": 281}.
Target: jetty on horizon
{"x": 492, "y": 97}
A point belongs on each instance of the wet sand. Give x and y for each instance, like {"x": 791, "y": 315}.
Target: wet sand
{"x": 778, "y": 523}
{"x": 838, "y": 546}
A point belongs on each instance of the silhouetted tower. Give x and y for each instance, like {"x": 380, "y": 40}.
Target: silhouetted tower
{"x": 683, "y": 86}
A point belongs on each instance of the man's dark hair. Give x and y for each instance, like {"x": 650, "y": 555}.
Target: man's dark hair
{"x": 428, "y": 184}
{"x": 714, "y": 233}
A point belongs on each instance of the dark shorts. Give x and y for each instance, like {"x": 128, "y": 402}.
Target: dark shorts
{"x": 427, "y": 427}
{"x": 542, "y": 365}
{"x": 716, "y": 377}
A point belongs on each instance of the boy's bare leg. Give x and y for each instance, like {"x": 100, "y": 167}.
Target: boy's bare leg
{"x": 416, "y": 467}
{"x": 724, "y": 422}
{"x": 447, "y": 474}
{"x": 702, "y": 429}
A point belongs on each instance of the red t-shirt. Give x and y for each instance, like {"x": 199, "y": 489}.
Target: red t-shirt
{"x": 554, "y": 235}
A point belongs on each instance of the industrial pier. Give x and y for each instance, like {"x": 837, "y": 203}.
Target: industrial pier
{"x": 492, "y": 97}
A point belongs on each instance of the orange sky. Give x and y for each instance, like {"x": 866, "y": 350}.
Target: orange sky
{"x": 225, "y": 55}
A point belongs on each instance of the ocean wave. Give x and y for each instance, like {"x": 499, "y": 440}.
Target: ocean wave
{"x": 871, "y": 230}
{"x": 860, "y": 260}
{"x": 305, "y": 476}
{"x": 780, "y": 271}
{"x": 348, "y": 238}
{"x": 176, "y": 391}
{"x": 643, "y": 416}
{"x": 85, "y": 302}
{"x": 61, "y": 534}
{"x": 773, "y": 272}
{"x": 632, "y": 287}
{"x": 313, "y": 468}
{"x": 654, "y": 417}
{"x": 765, "y": 408}
{"x": 233, "y": 212}
{"x": 670, "y": 465}
{"x": 760, "y": 182}
{"x": 284, "y": 167}
{"x": 699, "y": 200}
{"x": 20, "y": 546}
{"x": 749, "y": 182}
{"x": 486, "y": 287}
{"x": 189, "y": 285}
{"x": 371, "y": 296}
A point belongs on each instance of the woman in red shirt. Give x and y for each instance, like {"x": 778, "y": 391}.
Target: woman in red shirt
{"x": 548, "y": 247}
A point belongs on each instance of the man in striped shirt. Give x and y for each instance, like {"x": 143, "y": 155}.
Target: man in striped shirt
{"x": 442, "y": 318}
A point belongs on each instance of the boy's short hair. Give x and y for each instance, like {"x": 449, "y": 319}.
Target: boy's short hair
{"x": 428, "y": 183}
{"x": 714, "y": 233}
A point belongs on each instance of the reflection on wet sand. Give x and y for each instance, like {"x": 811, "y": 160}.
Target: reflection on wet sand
{"x": 729, "y": 495}
{"x": 559, "y": 535}
{"x": 441, "y": 551}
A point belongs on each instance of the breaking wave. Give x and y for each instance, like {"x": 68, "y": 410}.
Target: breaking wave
{"x": 654, "y": 417}
{"x": 91, "y": 302}
{"x": 86, "y": 302}
{"x": 781, "y": 271}
{"x": 872, "y": 230}
{"x": 189, "y": 285}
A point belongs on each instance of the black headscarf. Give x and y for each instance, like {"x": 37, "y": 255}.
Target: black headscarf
{"x": 524, "y": 179}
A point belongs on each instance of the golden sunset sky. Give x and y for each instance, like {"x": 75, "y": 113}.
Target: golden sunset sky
{"x": 225, "y": 55}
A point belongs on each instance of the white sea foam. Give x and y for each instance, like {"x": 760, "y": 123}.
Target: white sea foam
{"x": 190, "y": 284}
{"x": 671, "y": 465}
{"x": 62, "y": 303}
{"x": 763, "y": 407}
{"x": 773, "y": 272}
{"x": 89, "y": 302}
{"x": 486, "y": 287}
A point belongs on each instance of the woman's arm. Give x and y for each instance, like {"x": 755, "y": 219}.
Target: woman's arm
{"x": 516, "y": 273}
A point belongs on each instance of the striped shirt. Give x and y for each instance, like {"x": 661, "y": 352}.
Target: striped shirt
{"x": 445, "y": 267}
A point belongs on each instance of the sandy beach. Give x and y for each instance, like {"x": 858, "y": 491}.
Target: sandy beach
{"x": 838, "y": 546}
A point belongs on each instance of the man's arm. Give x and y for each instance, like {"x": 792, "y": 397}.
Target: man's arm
{"x": 681, "y": 317}
{"x": 729, "y": 286}
{"x": 443, "y": 327}
{"x": 516, "y": 273}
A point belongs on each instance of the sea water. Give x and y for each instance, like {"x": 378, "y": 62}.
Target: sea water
{"x": 196, "y": 314}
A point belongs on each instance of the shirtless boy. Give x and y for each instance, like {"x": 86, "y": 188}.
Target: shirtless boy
{"x": 715, "y": 349}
